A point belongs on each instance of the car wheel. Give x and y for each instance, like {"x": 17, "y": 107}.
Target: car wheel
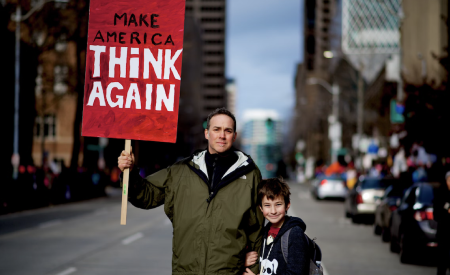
{"x": 377, "y": 229}
{"x": 348, "y": 214}
{"x": 393, "y": 245}
{"x": 406, "y": 251}
{"x": 385, "y": 235}
{"x": 356, "y": 219}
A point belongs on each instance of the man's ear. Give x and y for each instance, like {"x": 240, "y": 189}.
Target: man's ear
{"x": 260, "y": 208}
{"x": 235, "y": 135}
{"x": 206, "y": 134}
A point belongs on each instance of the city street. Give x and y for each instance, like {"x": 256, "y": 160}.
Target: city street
{"x": 87, "y": 238}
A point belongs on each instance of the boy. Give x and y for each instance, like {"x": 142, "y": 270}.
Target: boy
{"x": 274, "y": 202}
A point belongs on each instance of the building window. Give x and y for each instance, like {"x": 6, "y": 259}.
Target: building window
{"x": 213, "y": 30}
{"x": 214, "y": 86}
{"x": 213, "y": 9}
{"x": 214, "y": 42}
{"x": 213, "y": 52}
{"x": 189, "y": 8}
{"x": 214, "y": 74}
{"x": 212, "y": 19}
{"x": 45, "y": 126}
{"x": 214, "y": 64}
{"x": 213, "y": 97}
{"x": 60, "y": 78}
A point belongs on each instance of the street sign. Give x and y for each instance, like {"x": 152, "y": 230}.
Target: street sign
{"x": 371, "y": 26}
{"x": 133, "y": 72}
{"x": 133, "y": 69}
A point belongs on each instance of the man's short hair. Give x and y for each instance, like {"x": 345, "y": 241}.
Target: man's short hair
{"x": 273, "y": 188}
{"x": 220, "y": 111}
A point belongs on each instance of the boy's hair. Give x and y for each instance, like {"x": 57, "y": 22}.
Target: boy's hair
{"x": 272, "y": 188}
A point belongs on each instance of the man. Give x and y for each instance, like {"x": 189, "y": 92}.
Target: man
{"x": 441, "y": 213}
{"x": 211, "y": 200}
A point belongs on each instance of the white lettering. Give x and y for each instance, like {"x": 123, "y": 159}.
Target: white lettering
{"x": 133, "y": 94}
{"x": 169, "y": 64}
{"x": 161, "y": 96}
{"x": 97, "y": 92}
{"x": 148, "y": 96}
{"x": 157, "y": 64}
{"x": 121, "y": 61}
{"x": 134, "y": 64}
{"x": 97, "y": 51}
{"x": 119, "y": 101}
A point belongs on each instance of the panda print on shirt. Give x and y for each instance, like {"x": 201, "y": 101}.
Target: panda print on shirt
{"x": 268, "y": 267}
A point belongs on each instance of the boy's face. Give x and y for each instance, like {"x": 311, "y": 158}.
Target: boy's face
{"x": 274, "y": 210}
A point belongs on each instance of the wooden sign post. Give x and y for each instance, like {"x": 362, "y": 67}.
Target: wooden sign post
{"x": 133, "y": 72}
{"x": 126, "y": 175}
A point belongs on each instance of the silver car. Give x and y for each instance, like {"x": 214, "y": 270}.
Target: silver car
{"x": 329, "y": 187}
{"x": 361, "y": 200}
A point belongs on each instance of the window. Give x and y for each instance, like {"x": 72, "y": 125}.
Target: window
{"x": 213, "y": 52}
{"x": 214, "y": 64}
{"x": 212, "y": 19}
{"x": 214, "y": 86}
{"x": 45, "y": 126}
{"x": 213, "y": 97}
{"x": 213, "y": 9}
{"x": 213, "y": 30}
{"x": 214, "y": 42}
{"x": 214, "y": 74}
{"x": 60, "y": 78}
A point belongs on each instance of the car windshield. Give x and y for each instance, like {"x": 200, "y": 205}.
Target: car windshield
{"x": 425, "y": 195}
{"x": 332, "y": 177}
{"x": 375, "y": 183}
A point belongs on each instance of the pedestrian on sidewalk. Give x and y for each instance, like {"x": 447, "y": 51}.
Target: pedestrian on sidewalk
{"x": 210, "y": 198}
{"x": 442, "y": 216}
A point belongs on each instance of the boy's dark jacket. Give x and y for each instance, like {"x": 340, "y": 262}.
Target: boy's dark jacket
{"x": 298, "y": 258}
{"x": 211, "y": 228}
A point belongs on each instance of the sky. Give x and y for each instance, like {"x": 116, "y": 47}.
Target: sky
{"x": 263, "y": 48}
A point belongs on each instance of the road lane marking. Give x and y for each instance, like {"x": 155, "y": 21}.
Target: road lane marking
{"x": 67, "y": 271}
{"x": 50, "y": 223}
{"x": 132, "y": 238}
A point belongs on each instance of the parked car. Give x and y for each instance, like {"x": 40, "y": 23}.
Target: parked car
{"x": 360, "y": 201}
{"x": 329, "y": 187}
{"x": 384, "y": 207}
{"x": 413, "y": 230}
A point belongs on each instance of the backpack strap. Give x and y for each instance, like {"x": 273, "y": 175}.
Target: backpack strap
{"x": 285, "y": 244}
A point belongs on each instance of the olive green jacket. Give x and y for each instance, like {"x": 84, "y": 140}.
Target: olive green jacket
{"x": 211, "y": 228}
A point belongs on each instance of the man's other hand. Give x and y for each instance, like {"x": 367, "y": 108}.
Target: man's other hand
{"x": 126, "y": 160}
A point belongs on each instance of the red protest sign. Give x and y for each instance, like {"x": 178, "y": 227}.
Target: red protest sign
{"x": 133, "y": 69}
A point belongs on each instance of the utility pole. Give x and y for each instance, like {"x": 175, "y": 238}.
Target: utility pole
{"x": 360, "y": 109}
{"x": 15, "y": 160}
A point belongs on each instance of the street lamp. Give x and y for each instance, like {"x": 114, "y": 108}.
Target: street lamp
{"x": 335, "y": 127}
{"x": 15, "y": 159}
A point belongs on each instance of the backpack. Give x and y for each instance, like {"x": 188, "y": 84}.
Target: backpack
{"x": 315, "y": 254}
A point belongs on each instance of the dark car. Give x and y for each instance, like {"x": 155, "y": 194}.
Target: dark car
{"x": 413, "y": 230}
{"x": 360, "y": 201}
{"x": 384, "y": 208}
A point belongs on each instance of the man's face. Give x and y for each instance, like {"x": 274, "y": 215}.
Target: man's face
{"x": 220, "y": 134}
{"x": 448, "y": 183}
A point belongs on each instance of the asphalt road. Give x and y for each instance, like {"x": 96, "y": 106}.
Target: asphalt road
{"x": 87, "y": 238}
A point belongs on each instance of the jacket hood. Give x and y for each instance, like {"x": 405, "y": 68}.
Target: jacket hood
{"x": 242, "y": 166}
{"x": 289, "y": 222}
